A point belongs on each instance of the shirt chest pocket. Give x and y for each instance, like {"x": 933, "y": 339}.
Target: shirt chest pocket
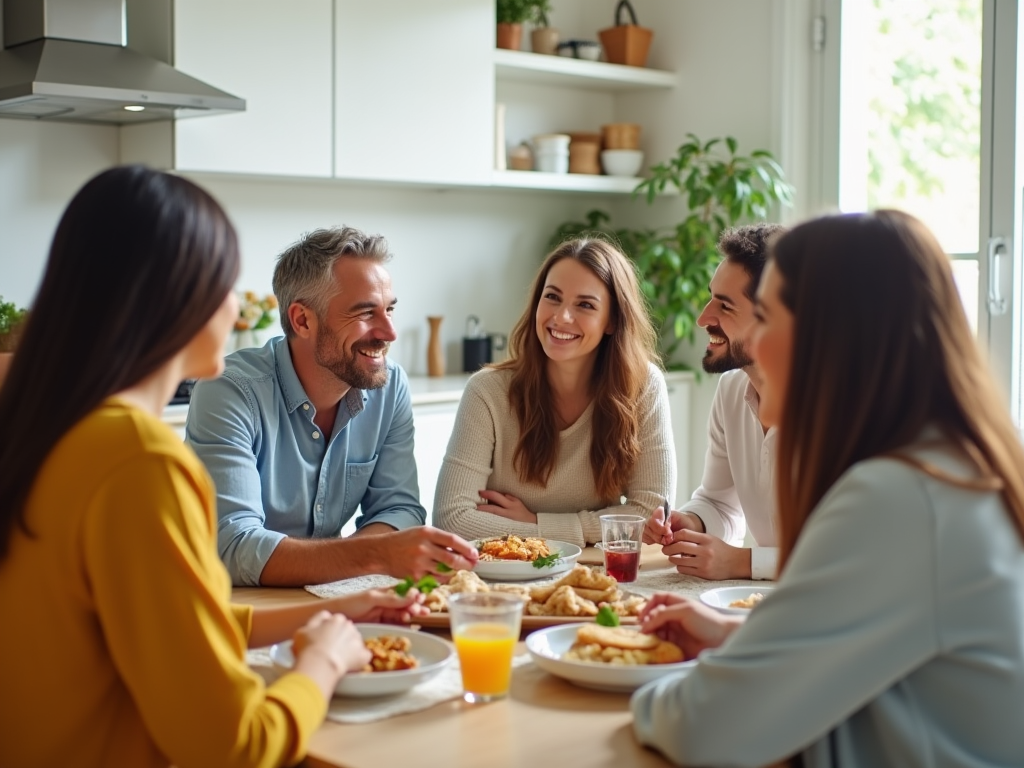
{"x": 357, "y": 481}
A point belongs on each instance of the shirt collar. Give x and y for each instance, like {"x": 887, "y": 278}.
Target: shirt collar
{"x": 291, "y": 387}
{"x": 753, "y": 401}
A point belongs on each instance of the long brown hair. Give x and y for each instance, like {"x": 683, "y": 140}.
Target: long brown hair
{"x": 139, "y": 263}
{"x": 881, "y": 350}
{"x": 620, "y": 375}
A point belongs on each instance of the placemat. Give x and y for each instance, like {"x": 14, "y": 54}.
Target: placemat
{"x": 444, "y": 687}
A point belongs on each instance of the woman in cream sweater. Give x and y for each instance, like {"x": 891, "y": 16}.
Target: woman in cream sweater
{"x": 575, "y": 424}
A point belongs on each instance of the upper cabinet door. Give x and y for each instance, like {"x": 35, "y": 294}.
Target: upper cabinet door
{"x": 278, "y": 57}
{"x": 414, "y": 90}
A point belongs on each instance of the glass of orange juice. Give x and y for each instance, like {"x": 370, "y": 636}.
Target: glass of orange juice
{"x": 485, "y": 627}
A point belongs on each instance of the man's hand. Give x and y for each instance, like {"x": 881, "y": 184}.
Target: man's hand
{"x": 658, "y": 530}
{"x": 417, "y": 551}
{"x": 381, "y": 606}
{"x": 706, "y": 556}
{"x": 506, "y": 505}
{"x": 686, "y": 622}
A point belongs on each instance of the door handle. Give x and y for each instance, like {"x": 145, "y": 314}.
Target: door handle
{"x": 996, "y": 303}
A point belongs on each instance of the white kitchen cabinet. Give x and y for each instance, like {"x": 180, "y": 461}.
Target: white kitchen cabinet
{"x": 278, "y": 57}
{"x": 680, "y": 393}
{"x": 414, "y": 90}
{"x": 434, "y": 425}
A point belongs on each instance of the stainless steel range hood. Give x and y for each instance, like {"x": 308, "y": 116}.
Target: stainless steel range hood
{"x": 67, "y": 60}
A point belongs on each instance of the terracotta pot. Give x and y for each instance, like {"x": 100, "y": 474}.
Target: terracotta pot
{"x": 544, "y": 40}
{"x": 510, "y": 36}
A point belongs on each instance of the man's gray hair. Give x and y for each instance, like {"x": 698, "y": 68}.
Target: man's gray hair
{"x": 305, "y": 271}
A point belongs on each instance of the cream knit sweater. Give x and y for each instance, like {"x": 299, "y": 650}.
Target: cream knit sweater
{"x": 480, "y": 454}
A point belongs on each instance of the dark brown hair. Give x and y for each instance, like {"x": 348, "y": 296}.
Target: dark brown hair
{"x": 620, "y": 375}
{"x": 747, "y": 247}
{"x": 139, "y": 263}
{"x": 881, "y": 350}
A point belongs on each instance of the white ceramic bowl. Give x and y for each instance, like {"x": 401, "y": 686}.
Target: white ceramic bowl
{"x": 551, "y": 162}
{"x": 551, "y": 142}
{"x": 720, "y": 598}
{"x": 591, "y": 51}
{"x": 519, "y": 570}
{"x": 432, "y": 652}
{"x": 547, "y": 646}
{"x": 622, "y": 162}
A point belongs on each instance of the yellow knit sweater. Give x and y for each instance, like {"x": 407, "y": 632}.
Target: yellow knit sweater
{"x": 120, "y": 647}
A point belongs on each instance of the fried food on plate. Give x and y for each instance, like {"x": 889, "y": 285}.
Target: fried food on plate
{"x": 748, "y": 602}
{"x": 564, "y": 601}
{"x": 389, "y": 653}
{"x": 579, "y": 593}
{"x": 617, "y": 645}
{"x": 512, "y": 547}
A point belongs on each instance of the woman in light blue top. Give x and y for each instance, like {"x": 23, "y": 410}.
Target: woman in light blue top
{"x": 895, "y": 635}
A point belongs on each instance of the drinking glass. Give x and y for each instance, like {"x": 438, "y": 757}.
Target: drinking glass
{"x": 621, "y": 536}
{"x": 485, "y": 627}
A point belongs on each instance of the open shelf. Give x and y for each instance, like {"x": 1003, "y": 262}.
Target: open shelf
{"x": 564, "y": 182}
{"x": 577, "y": 73}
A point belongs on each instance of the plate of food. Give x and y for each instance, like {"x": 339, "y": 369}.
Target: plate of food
{"x": 402, "y": 659}
{"x": 577, "y": 596}
{"x": 618, "y": 659}
{"x": 735, "y": 600}
{"x": 514, "y": 558}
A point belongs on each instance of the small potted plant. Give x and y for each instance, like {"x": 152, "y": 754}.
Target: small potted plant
{"x": 544, "y": 37}
{"x": 511, "y": 15}
{"x": 11, "y": 321}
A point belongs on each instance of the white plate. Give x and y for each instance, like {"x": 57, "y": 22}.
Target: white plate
{"x": 520, "y": 570}
{"x": 547, "y": 646}
{"x": 433, "y": 654}
{"x": 720, "y": 598}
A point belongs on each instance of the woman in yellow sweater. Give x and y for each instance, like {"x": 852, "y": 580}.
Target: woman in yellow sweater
{"x": 120, "y": 646}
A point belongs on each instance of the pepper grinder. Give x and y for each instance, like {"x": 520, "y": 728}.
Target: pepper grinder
{"x": 435, "y": 352}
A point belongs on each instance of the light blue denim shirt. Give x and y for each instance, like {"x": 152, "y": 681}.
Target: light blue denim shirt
{"x": 277, "y": 476}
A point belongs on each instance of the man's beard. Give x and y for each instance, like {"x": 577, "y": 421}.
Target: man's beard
{"x": 735, "y": 356}
{"x": 347, "y": 368}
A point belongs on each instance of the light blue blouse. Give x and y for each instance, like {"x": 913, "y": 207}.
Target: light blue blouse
{"x": 277, "y": 476}
{"x": 895, "y": 637}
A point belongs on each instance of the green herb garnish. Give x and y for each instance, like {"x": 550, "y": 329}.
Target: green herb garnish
{"x": 426, "y": 585}
{"x": 444, "y": 567}
{"x": 547, "y": 562}
{"x": 607, "y": 617}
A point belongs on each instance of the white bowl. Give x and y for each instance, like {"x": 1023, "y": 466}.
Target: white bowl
{"x": 520, "y": 570}
{"x": 551, "y": 142}
{"x": 432, "y": 652}
{"x": 720, "y": 598}
{"x": 551, "y": 162}
{"x": 622, "y": 162}
{"x": 547, "y": 646}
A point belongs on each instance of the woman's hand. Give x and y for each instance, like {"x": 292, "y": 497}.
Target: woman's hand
{"x": 686, "y": 622}
{"x": 381, "y": 606}
{"x": 506, "y": 505}
{"x": 663, "y": 523}
{"x": 326, "y": 648}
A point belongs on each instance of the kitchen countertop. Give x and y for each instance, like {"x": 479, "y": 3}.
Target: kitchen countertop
{"x": 424, "y": 390}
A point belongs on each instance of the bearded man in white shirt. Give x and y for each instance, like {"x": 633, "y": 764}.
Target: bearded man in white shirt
{"x": 703, "y": 537}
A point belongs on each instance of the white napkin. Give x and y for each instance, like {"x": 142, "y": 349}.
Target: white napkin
{"x": 447, "y": 685}
{"x": 350, "y": 586}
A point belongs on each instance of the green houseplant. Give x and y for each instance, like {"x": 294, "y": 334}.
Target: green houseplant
{"x": 11, "y": 319}
{"x": 512, "y": 13}
{"x": 721, "y": 189}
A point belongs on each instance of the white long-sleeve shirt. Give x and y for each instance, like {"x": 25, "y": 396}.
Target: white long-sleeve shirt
{"x": 737, "y": 489}
{"x": 895, "y": 637}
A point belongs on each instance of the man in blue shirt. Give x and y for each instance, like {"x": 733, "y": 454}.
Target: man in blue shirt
{"x": 300, "y": 433}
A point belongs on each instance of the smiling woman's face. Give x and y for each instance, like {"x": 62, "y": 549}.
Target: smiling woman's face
{"x": 574, "y": 312}
{"x": 772, "y": 345}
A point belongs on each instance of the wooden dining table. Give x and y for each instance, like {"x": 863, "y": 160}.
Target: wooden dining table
{"x": 545, "y": 720}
